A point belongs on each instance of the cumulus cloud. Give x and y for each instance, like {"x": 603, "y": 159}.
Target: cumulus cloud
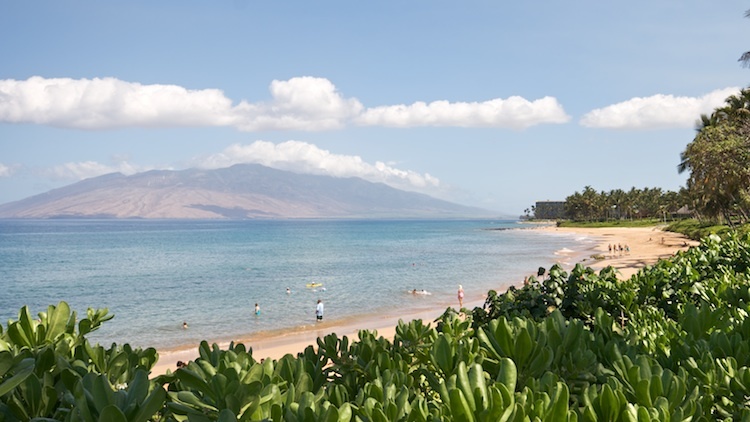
{"x": 657, "y": 111}
{"x": 514, "y": 112}
{"x": 303, "y": 157}
{"x": 303, "y": 103}
{"x": 108, "y": 103}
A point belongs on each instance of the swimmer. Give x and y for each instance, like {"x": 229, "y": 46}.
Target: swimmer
{"x": 419, "y": 292}
{"x": 184, "y": 325}
{"x": 288, "y": 291}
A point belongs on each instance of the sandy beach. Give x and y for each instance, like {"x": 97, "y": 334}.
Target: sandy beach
{"x": 646, "y": 246}
{"x": 641, "y": 247}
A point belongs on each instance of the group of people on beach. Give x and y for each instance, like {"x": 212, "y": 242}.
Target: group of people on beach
{"x": 618, "y": 248}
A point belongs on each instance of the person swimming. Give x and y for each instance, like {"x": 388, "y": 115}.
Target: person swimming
{"x": 420, "y": 292}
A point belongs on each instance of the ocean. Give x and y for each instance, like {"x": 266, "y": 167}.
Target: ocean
{"x": 155, "y": 275}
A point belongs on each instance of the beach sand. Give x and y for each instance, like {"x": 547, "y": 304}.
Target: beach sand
{"x": 646, "y": 246}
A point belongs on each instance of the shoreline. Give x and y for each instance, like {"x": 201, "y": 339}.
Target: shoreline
{"x": 646, "y": 246}
{"x": 274, "y": 345}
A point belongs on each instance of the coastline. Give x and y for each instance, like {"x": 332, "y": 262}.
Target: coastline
{"x": 646, "y": 246}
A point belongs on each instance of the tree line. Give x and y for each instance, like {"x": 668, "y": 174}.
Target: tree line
{"x": 718, "y": 186}
{"x": 618, "y": 204}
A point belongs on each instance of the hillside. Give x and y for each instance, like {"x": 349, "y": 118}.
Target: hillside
{"x": 237, "y": 192}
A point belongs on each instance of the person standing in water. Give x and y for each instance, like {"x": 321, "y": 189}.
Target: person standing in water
{"x": 319, "y": 310}
{"x": 460, "y": 297}
{"x": 257, "y": 309}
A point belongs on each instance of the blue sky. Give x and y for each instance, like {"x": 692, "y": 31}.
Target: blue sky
{"x": 485, "y": 103}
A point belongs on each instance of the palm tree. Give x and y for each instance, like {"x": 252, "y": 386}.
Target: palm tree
{"x": 745, "y": 57}
{"x": 718, "y": 161}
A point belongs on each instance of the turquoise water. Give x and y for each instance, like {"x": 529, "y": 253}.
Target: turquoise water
{"x": 153, "y": 275}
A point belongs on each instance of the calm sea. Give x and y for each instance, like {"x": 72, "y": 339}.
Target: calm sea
{"x": 155, "y": 275}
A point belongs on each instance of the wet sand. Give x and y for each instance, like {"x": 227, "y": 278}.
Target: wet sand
{"x": 646, "y": 246}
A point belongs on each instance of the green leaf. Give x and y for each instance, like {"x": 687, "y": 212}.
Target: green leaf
{"x": 6, "y": 362}
{"x": 559, "y": 409}
{"x": 111, "y": 413}
{"x": 57, "y": 321}
{"x": 25, "y": 368}
{"x": 523, "y": 347}
{"x": 460, "y": 409}
{"x": 479, "y": 387}
{"x": 643, "y": 392}
{"x": 153, "y": 403}
{"x": 442, "y": 354}
{"x": 507, "y": 374}
{"x": 226, "y": 415}
{"x": 462, "y": 382}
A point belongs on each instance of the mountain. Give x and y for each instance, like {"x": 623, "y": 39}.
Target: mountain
{"x": 238, "y": 192}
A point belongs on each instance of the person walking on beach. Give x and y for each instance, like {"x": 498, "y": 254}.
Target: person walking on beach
{"x": 319, "y": 310}
{"x": 460, "y": 297}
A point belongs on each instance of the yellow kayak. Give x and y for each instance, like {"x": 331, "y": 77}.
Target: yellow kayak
{"x": 314, "y": 284}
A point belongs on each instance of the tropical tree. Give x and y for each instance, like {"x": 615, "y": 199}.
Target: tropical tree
{"x": 745, "y": 57}
{"x": 718, "y": 160}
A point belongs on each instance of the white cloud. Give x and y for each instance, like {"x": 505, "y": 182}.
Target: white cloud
{"x": 302, "y": 157}
{"x": 109, "y": 103}
{"x": 6, "y": 170}
{"x": 295, "y": 156}
{"x": 86, "y": 169}
{"x": 302, "y": 103}
{"x": 657, "y": 111}
{"x": 514, "y": 112}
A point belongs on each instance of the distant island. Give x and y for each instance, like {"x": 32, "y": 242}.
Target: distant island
{"x": 243, "y": 191}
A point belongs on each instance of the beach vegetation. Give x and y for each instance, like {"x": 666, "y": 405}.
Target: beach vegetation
{"x": 646, "y": 222}
{"x": 717, "y": 160}
{"x": 626, "y": 208}
{"x": 670, "y": 343}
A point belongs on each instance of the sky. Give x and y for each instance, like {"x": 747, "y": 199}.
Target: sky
{"x": 483, "y": 103}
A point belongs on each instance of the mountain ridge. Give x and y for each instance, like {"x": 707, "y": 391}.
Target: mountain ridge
{"x": 241, "y": 191}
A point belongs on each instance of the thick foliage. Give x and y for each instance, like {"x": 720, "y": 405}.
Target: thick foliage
{"x": 671, "y": 343}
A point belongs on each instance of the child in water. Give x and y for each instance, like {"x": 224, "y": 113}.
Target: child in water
{"x": 257, "y": 309}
